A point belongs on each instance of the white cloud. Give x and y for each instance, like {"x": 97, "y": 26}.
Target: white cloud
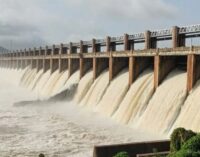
{"x": 132, "y": 9}
{"x": 35, "y": 22}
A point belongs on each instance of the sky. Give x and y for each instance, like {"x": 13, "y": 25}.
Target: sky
{"x": 34, "y": 23}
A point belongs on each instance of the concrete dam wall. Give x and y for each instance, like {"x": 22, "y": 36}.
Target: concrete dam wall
{"x": 152, "y": 89}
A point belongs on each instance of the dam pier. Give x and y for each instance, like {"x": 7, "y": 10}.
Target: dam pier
{"x": 115, "y": 54}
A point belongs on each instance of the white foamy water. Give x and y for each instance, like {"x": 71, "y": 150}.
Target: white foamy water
{"x": 57, "y": 129}
{"x": 42, "y": 82}
{"x": 49, "y": 85}
{"x": 114, "y": 94}
{"x": 31, "y": 77}
{"x": 60, "y": 83}
{"x": 190, "y": 114}
{"x": 73, "y": 80}
{"x": 35, "y": 80}
{"x": 83, "y": 87}
{"x": 165, "y": 104}
{"x": 96, "y": 91}
{"x": 136, "y": 98}
{"x": 26, "y": 77}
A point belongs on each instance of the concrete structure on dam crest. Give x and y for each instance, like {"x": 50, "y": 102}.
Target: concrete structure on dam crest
{"x": 102, "y": 54}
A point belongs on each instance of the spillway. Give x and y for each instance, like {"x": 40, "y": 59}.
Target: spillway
{"x": 30, "y": 78}
{"x": 26, "y": 78}
{"x": 40, "y": 85}
{"x": 165, "y": 104}
{"x": 24, "y": 75}
{"x": 60, "y": 83}
{"x": 83, "y": 87}
{"x": 58, "y": 129}
{"x": 73, "y": 80}
{"x": 131, "y": 106}
{"x": 136, "y": 98}
{"x": 189, "y": 116}
{"x": 114, "y": 94}
{"x": 49, "y": 85}
{"x": 35, "y": 80}
{"x": 96, "y": 91}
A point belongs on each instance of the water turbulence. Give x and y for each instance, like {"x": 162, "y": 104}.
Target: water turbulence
{"x": 165, "y": 104}
{"x": 60, "y": 83}
{"x": 114, "y": 94}
{"x": 136, "y": 98}
{"x": 96, "y": 91}
{"x": 83, "y": 87}
{"x": 190, "y": 115}
{"x": 49, "y": 85}
{"x": 40, "y": 85}
{"x": 68, "y": 90}
{"x": 24, "y": 75}
{"x": 35, "y": 80}
{"x": 26, "y": 78}
{"x": 55, "y": 129}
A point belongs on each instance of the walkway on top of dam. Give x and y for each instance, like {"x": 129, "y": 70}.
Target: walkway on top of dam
{"x": 149, "y": 52}
{"x": 121, "y": 46}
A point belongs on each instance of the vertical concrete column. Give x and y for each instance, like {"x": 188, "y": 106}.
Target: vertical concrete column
{"x": 60, "y": 60}
{"x": 157, "y": 79}
{"x": 94, "y": 59}
{"x": 10, "y": 63}
{"x": 0, "y": 60}
{"x": 25, "y": 61}
{"x": 18, "y": 63}
{"x": 40, "y": 61}
{"x": 51, "y": 59}
{"x": 193, "y": 70}
{"x": 127, "y": 47}
{"x": 190, "y": 71}
{"x": 31, "y": 56}
{"x": 11, "y": 58}
{"x": 14, "y": 60}
{"x": 131, "y": 70}
{"x": 81, "y": 62}
{"x": 22, "y": 59}
{"x": 46, "y": 62}
{"x": 147, "y": 44}
{"x": 36, "y": 60}
{"x": 126, "y": 43}
{"x": 111, "y": 60}
{"x": 108, "y": 44}
{"x": 150, "y": 43}
{"x": 70, "y": 60}
{"x": 8, "y": 60}
{"x": 177, "y": 39}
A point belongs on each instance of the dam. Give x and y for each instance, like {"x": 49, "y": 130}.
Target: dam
{"x": 152, "y": 89}
{"x": 86, "y": 55}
